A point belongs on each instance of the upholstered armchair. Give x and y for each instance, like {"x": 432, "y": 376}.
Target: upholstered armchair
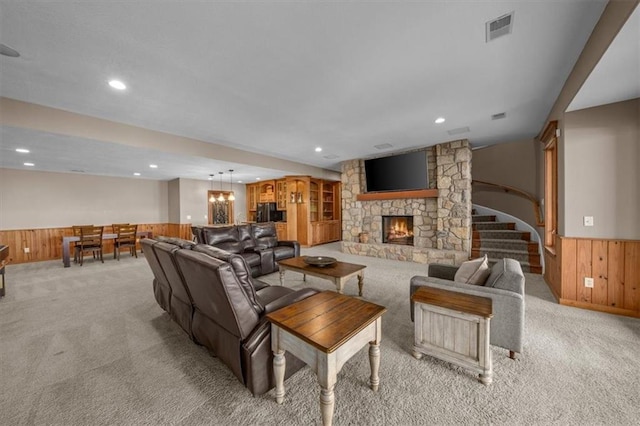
{"x": 504, "y": 286}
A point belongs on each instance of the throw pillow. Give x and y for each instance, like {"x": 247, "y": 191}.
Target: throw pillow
{"x": 473, "y": 271}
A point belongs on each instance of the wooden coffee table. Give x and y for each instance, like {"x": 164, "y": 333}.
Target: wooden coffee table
{"x": 325, "y": 331}
{"x": 338, "y": 273}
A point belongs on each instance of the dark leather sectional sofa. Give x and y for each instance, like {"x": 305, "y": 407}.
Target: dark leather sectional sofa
{"x": 257, "y": 243}
{"x": 211, "y": 294}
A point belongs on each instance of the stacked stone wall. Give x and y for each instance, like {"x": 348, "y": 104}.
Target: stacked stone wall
{"x": 442, "y": 226}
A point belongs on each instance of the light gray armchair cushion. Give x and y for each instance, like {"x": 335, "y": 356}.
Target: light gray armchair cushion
{"x": 506, "y": 293}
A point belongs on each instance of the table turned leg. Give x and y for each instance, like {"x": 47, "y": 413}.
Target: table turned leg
{"x": 282, "y": 276}
{"x": 360, "y": 283}
{"x": 327, "y": 402}
{"x": 374, "y": 361}
{"x": 279, "y": 364}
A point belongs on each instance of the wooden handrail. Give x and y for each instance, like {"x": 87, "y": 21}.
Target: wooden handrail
{"x": 519, "y": 192}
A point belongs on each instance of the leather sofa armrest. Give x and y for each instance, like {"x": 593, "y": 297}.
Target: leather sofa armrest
{"x": 291, "y": 243}
{"x": 445, "y": 272}
{"x": 259, "y": 333}
{"x": 267, "y": 260}
{"x": 257, "y": 284}
{"x": 290, "y": 298}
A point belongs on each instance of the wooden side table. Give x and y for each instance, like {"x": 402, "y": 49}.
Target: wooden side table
{"x": 454, "y": 327}
{"x": 325, "y": 331}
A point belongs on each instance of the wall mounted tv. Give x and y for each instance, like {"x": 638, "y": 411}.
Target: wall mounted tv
{"x": 403, "y": 172}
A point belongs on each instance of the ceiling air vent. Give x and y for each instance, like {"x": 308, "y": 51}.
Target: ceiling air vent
{"x": 331, "y": 157}
{"x": 458, "y": 131}
{"x": 499, "y": 116}
{"x": 499, "y": 27}
{"x": 383, "y": 146}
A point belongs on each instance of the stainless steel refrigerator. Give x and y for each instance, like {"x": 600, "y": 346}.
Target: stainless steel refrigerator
{"x": 267, "y": 212}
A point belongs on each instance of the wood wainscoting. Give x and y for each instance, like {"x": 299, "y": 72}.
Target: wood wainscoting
{"x": 46, "y": 243}
{"x": 614, "y": 266}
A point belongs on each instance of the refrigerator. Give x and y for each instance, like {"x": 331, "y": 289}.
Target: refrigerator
{"x": 267, "y": 212}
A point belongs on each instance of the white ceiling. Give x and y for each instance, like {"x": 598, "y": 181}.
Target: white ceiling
{"x": 281, "y": 78}
{"x": 616, "y": 77}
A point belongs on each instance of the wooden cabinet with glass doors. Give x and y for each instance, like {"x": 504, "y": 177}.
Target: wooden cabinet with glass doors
{"x": 281, "y": 194}
{"x": 312, "y": 206}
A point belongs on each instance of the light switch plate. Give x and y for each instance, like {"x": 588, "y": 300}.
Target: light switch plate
{"x": 588, "y": 220}
{"x": 588, "y": 282}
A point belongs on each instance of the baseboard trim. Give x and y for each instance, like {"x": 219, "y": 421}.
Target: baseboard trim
{"x": 600, "y": 308}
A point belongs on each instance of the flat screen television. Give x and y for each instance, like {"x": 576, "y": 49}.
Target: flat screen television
{"x": 401, "y": 172}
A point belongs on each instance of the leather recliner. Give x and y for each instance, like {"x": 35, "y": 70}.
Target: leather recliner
{"x": 161, "y": 287}
{"x": 257, "y": 243}
{"x": 229, "y": 314}
{"x": 227, "y": 307}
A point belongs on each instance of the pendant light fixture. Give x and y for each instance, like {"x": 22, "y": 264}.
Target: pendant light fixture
{"x": 221, "y": 196}
{"x": 231, "y": 196}
{"x": 212, "y": 199}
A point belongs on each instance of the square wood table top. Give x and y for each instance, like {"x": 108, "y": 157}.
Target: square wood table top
{"x": 335, "y": 270}
{"x": 326, "y": 320}
{"x": 467, "y": 303}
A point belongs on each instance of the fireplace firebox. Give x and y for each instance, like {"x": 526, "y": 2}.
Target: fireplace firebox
{"x": 397, "y": 230}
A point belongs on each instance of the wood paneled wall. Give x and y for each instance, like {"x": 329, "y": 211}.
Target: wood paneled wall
{"x": 46, "y": 243}
{"x": 614, "y": 266}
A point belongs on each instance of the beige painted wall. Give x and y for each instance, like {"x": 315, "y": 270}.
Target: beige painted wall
{"x": 611, "y": 21}
{"x": 601, "y": 177}
{"x": 193, "y": 200}
{"x": 30, "y": 199}
{"x": 512, "y": 164}
{"x": 173, "y": 194}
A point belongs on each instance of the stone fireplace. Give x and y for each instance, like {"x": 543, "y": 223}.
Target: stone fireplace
{"x": 441, "y": 228}
{"x": 397, "y": 230}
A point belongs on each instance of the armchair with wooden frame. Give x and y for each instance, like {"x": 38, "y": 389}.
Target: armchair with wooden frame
{"x": 90, "y": 241}
{"x": 125, "y": 238}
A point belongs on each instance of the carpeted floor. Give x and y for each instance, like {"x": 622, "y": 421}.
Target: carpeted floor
{"x": 89, "y": 346}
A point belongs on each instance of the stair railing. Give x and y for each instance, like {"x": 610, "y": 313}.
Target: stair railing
{"x": 506, "y": 188}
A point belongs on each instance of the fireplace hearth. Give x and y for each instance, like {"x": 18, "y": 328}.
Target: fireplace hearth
{"x": 397, "y": 230}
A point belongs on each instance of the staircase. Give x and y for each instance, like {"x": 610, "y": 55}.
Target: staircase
{"x": 501, "y": 239}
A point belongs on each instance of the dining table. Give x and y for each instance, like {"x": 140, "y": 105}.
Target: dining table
{"x": 66, "y": 242}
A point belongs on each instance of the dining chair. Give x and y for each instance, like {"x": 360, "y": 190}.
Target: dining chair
{"x": 76, "y": 233}
{"x": 90, "y": 240}
{"x": 116, "y": 226}
{"x": 126, "y": 237}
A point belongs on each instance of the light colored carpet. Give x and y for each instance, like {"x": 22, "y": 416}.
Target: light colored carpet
{"x": 89, "y": 346}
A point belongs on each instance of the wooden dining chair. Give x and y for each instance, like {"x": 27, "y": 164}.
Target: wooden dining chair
{"x": 117, "y": 226}
{"x": 126, "y": 238}
{"x": 90, "y": 241}
{"x": 76, "y": 233}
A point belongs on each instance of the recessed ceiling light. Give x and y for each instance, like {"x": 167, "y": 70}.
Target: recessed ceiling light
{"x": 22, "y": 150}
{"x": 136, "y": 174}
{"x": 153, "y": 166}
{"x": 29, "y": 164}
{"x": 239, "y": 181}
{"x": 117, "y": 84}
{"x": 257, "y": 178}
{"x": 440, "y": 120}
{"x": 318, "y": 149}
